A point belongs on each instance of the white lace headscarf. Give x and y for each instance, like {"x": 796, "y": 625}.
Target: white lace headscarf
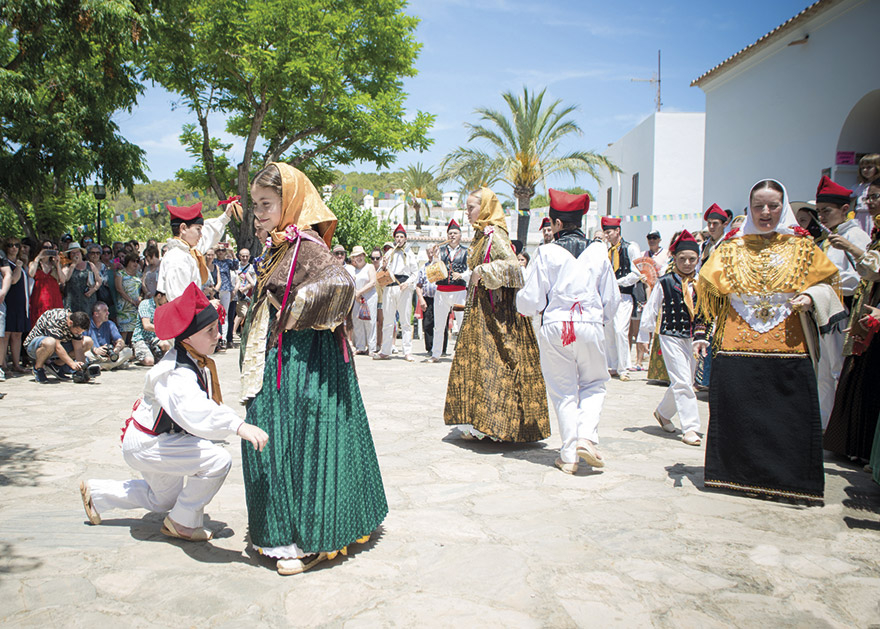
{"x": 787, "y": 220}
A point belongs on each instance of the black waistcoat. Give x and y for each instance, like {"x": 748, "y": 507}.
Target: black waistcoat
{"x": 676, "y": 318}
{"x": 458, "y": 263}
{"x": 573, "y": 240}
{"x": 164, "y": 423}
{"x": 624, "y": 267}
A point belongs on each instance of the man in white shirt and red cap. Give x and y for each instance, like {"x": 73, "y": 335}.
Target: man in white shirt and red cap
{"x": 170, "y": 435}
{"x": 452, "y": 290}
{"x": 571, "y": 282}
{"x": 621, "y": 255}
{"x": 832, "y": 208}
{"x": 192, "y": 236}
{"x": 547, "y": 230}
{"x": 398, "y": 296}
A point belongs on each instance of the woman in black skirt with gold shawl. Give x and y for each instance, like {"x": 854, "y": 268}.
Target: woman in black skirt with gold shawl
{"x": 764, "y": 434}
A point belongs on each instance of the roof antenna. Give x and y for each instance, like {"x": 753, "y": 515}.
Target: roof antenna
{"x": 654, "y": 80}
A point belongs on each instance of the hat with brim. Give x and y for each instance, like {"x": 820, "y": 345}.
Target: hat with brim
{"x": 358, "y": 251}
{"x": 803, "y": 205}
{"x": 75, "y": 245}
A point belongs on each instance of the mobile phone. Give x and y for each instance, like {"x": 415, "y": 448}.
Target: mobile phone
{"x": 51, "y": 252}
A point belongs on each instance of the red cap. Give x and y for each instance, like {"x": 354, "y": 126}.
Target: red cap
{"x": 452, "y": 225}
{"x": 610, "y": 221}
{"x": 830, "y": 192}
{"x": 185, "y": 315}
{"x": 546, "y": 222}
{"x": 186, "y": 214}
{"x": 399, "y": 229}
{"x": 715, "y": 211}
{"x": 565, "y": 202}
{"x": 686, "y": 242}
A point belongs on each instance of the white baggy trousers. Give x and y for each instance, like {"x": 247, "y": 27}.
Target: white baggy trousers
{"x": 678, "y": 356}
{"x": 181, "y": 474}
{"x": 443, "y": 302}
{"x": 617, "y": 336}
{"x": 400, "y": 301}
{"x": 575, "y": 375}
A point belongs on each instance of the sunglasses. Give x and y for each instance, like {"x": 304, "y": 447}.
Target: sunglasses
{"x": 375, "y": 258}
{"x": 339, "y": 254}
{"x": 14, "y": 244}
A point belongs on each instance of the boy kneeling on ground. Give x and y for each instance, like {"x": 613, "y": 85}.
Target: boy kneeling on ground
{"x": 169, "y": 436}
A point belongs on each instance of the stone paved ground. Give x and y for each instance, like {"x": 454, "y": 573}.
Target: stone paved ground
{"x": 479, "y": 534}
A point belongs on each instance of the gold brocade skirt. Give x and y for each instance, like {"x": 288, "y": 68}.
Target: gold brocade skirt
{"x": 495, "y": 383}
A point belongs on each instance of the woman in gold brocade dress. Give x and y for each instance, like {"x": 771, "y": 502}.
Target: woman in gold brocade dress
{"x": 764, "y": 435}
{"x": 495, "y": 385}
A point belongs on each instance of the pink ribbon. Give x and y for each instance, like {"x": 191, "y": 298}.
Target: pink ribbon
{"x": 292, "y": 234}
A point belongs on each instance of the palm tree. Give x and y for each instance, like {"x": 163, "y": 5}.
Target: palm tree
{"x": 416, "y": 182}
{"x": 470, "y": 169}
{"x": 527, "y": 146}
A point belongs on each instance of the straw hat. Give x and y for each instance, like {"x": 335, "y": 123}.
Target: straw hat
{"x": 358, "y": 251}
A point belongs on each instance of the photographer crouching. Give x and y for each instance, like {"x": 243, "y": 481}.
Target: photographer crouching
{"x": 108, "y": 346}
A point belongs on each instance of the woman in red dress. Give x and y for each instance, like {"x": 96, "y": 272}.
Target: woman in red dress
{"x": 46, "y": 292}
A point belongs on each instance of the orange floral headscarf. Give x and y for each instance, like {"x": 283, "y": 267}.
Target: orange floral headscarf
{"x": 301, "y": 205}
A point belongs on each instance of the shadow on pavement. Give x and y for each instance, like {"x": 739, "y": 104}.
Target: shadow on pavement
{"x": 655, "y": 431}
{"x": 18, "y": 464}
{"x": 13, "y": 563}
{"x": 680, "y": 471}
{"x": 535, "y": 452}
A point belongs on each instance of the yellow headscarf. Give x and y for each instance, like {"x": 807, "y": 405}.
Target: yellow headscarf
{"x": 302, "y": 205}
{"x": 491, "y": 212}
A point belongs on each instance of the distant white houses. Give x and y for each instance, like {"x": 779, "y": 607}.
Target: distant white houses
{"x": 660, "y": 183}
{"x": 802, "y": 101}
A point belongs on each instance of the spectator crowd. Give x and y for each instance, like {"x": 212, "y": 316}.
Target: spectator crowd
{"x": 73, "y": 309}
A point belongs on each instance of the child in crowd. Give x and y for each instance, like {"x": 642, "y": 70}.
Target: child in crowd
{"x": 674, "y": 300}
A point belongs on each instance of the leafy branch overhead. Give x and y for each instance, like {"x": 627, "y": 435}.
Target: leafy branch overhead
{"x": 67, "y": 66}
{"x": 311, "y": 82}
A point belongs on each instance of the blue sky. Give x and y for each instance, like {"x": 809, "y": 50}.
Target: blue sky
{"x": 584, "y": 52}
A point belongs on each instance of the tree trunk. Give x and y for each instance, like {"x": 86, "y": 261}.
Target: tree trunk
{"x": 23, "y": 218}
{"x": 244, "y": 231}
{"x": 417, "y": 207}
{"x": 524, "y": 196}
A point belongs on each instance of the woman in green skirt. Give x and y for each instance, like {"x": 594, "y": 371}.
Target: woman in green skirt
{"x": 316, "y": 487}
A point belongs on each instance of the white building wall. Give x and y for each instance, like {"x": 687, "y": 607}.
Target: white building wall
{"x": 780, "y": 112}
{"x": 666, "y": 150}
{"x": 678, "y": 174}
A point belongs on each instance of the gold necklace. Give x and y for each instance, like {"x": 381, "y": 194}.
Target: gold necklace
{"x": 757, "y": 265}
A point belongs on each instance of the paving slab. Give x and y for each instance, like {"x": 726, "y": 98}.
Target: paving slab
{"x": 478, "y": 533}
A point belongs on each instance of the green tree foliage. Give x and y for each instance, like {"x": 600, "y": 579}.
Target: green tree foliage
{"x": 356, "y": 226}
{"x": 67, "y": 66}
{"x": 543, "y": 200}
{"x": 313, "y": 82}
{"x": 525, "y": 142}
{"x": 470, "y": 169}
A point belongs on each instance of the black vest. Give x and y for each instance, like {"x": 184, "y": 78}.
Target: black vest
{"x": 624, "y": 268}
{"x": 676, "y": 319}
{"x": 457, "y": 264}
{"x": 164, "y": 422}
{"x": 574, "y": 241}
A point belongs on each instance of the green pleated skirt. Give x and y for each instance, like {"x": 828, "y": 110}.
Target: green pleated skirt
{"x": 316, "y": 484}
